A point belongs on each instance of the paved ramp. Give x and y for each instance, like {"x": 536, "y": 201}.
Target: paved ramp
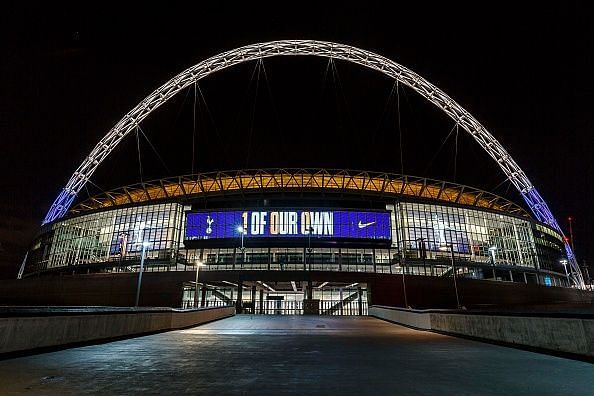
{"x": 295, "y": 355}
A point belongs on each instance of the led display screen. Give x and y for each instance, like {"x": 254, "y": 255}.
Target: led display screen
{"x": 286, "y": 223}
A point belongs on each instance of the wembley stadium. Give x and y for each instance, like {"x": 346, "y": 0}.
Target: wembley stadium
{"x": 309, "y": 223}
{"x": 327, "y": 241}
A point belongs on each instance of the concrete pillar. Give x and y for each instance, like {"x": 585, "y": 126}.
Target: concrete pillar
{"x": 360, "y": 300}
{"x": 261, "y": 301}
{"x": 239, "y": 303}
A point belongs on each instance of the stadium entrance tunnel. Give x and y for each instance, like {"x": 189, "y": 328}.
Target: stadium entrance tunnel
{"x": 280, "y": 297}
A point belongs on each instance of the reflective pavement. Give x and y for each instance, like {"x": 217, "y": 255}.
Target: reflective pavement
{"x": 295, "y": 355}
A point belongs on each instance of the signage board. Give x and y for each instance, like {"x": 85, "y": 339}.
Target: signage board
{"x": 288, "y": 223}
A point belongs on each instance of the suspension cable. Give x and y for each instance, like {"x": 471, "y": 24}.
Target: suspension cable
{"x": 194, "y": 130}
{"x": 138, "y": 149}
{"x": 499, "y": 185}
{"x": 456, "y": 152}
{"x": 272, "y": 101}
{"x": 349, "y": 114}
{"x": 439, "y": 149}
{"x": 253, "y": 115}
{"x": 336, "y": 98}
{"x": 87, "y": 190}
{"x": 97, "y": 186}
{"x": 339, "y": 94}
{"x": 222, "y": 144}
{"x": 384, "y": 111}
{"x": 399, "y": 127}
{"x": 154, "y": 149}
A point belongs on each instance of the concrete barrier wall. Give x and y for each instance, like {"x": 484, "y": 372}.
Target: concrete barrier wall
{"x": 387, "y": 290}
{"x": 559, "y": 334}
{"x": 403, "y": 316}
{"x": 556, "y": 334}
{"x": 32, "y": 332}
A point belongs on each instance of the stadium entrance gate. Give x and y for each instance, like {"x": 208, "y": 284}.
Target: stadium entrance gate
{"x": 280, "y": 298}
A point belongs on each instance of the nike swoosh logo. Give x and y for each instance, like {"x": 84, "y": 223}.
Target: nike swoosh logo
{"x": 363, "y": 225}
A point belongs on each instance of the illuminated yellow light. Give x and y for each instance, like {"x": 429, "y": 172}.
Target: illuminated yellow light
{"x": 319, "y": 180}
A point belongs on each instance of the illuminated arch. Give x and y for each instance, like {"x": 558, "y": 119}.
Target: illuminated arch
{"x": 312, "y": 48}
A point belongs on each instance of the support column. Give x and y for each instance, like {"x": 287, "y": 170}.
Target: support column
{"x": 239, "y": 302}
{"x": 234, "y": 258}
{"x": 261, "y": 301}
{"x": 310, "y": 306}
{"x": 253, "y": 299}
{"x": 203, "y": 296}
{"x": 360, "y": 300}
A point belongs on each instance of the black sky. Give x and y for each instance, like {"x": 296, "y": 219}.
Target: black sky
{"x": 69, "y": 72}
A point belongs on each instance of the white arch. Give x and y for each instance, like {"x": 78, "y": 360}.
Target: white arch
{"x": 313, "y": 48}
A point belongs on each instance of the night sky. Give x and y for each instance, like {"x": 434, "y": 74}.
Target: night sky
{"x": 68, "y": 73}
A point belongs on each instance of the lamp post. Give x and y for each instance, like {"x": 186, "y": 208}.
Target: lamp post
{"x": 403, "y": 281}
{"x": 423, "y": 251}
{"x": 241, "y": 231}
{"x": 310, "y": 230}
{"x": 451, "y": 246}
{"x": 564, "y": 262}
{"x": 198, "y": 265}
{"x": 492, "y": 250}
{"x": 585, "y": 267}
{"x": 144, "y": 246}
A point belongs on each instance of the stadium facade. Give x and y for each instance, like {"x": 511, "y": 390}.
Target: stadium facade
{"x": 301, "y": 220}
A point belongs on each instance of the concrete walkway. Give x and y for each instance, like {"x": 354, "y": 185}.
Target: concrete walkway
{"x": 295, "y": 355}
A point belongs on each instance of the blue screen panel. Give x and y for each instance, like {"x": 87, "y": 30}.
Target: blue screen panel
{"x": 288, "y": 224}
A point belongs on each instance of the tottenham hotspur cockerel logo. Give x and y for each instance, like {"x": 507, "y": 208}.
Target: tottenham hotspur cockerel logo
{"x": 209, "y": 221}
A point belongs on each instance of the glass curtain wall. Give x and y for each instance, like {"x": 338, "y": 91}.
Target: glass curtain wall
{"x": 116, "y": 235}
{"x": 431, "y": 231}
{"x": 423, "y": 236}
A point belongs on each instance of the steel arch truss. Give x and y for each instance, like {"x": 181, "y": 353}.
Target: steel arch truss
{"x": 312, "y": 48}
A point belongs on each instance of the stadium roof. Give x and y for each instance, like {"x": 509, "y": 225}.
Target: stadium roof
{"x": 306, "y": 180}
